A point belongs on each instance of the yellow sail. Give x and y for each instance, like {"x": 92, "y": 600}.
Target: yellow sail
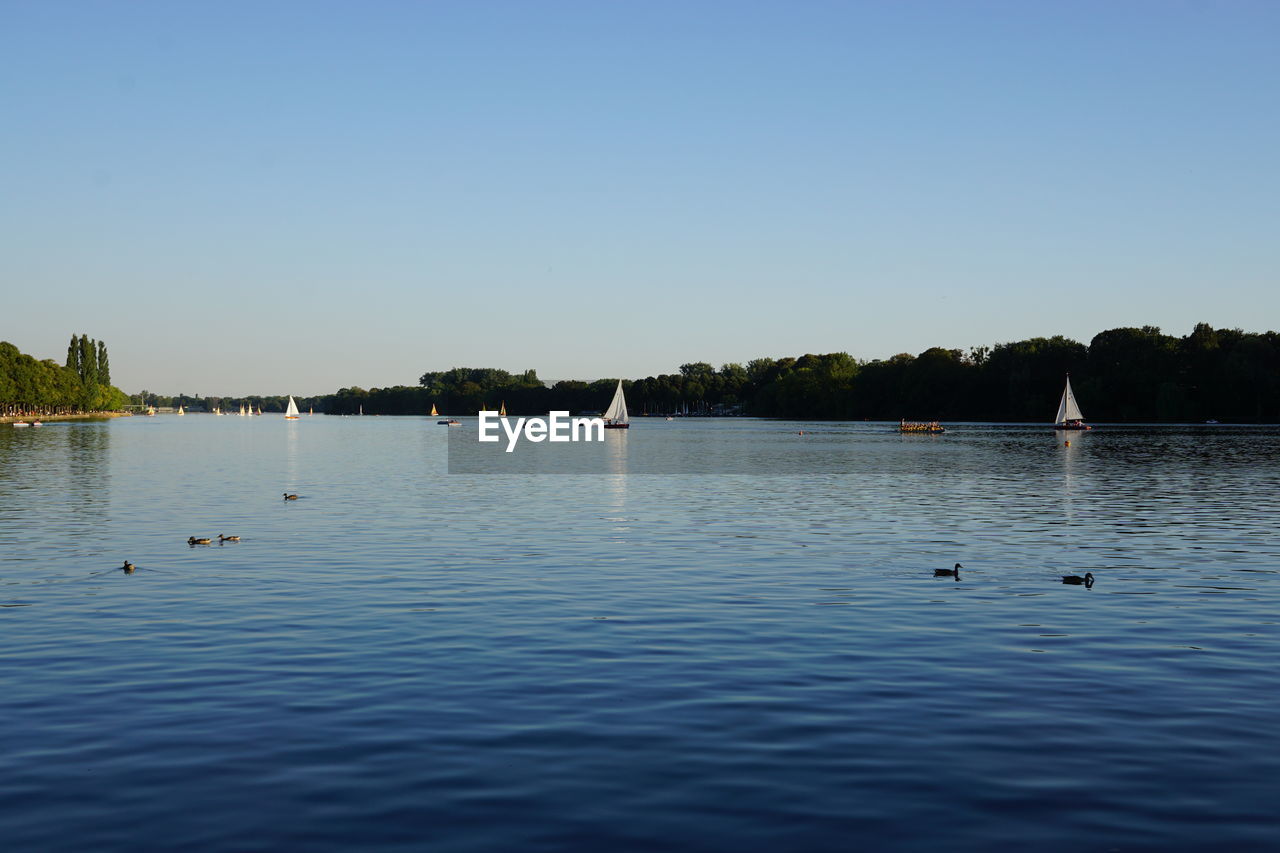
{"x": 433, "y": 410}
{"x": 503, "y": 411}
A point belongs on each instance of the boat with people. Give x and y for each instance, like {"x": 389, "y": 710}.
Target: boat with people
{"x": 1069, "y": 415}
{"x": 615, "y": 417}
{"x": 928, "y": 427}
{"x": 449, "y": 422}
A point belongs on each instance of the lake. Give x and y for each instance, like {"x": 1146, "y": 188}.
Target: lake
{"x": 754, "y": 655}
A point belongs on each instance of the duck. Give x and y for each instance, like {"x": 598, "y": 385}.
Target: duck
{"x": 191, "y": 540}
{"x": 128, "y": 567}
{"x": 222, "y": 538}
{"x": 290, "y": 497}
{"x": 1087, "y": 580}
{"x": 948, "y": 573}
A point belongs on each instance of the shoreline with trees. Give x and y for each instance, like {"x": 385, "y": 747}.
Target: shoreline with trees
{"x": 77, "y": 389}
{"x": 1126, "y": 374}
{"x": 1123, "y": 374}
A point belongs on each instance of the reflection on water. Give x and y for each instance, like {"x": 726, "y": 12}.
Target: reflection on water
{"x": 291, "y": 454}
{"x": 55, "y": 481}
{"x": 88, "y": 460}
{"x": 741, "y": 658}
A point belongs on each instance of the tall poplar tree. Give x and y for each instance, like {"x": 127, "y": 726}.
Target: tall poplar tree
{"x": 104, "y": 366}
{"x": 88, "y": 361}
{"x": 73, "y": 354}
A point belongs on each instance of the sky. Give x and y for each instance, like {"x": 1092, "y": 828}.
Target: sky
{"x": 296, "y": 197}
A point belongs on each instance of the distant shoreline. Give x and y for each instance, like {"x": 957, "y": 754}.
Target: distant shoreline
{"x": 87, "y": 416}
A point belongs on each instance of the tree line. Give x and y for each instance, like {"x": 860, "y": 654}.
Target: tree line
{"x": 1123, "y": 374}
{"x": 31, "y": 386}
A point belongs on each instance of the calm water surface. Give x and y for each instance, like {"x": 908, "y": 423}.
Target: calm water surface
{"x": 406, "y": 658}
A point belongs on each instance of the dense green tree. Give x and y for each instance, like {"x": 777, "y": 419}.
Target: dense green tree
{"x": 87, "y": 360}
{"x": 104, "y": 366}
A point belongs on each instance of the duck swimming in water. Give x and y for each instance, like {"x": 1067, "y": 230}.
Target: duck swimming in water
{"x": 948, "y": 573}
{"x": 290, "y": 497}
{"x": 1087, "y": 580}
{"x": 222, "y": 538}
{"x": 191, "y": 540}
{"x": 128, "y": 567}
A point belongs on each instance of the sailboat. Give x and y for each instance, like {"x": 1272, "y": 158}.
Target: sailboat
{"x": 259, "y": 408}
{"x": 180, "y": 411}
{"x": 291, "y": 413}
{"x": 502, "y": 411}
{"x": 615, "y": 417}
{"x": 1069, "y": 416}
{"x": 433, "y": 410}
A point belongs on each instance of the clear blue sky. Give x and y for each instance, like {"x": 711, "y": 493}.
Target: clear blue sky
{"x": 292, "y": 197}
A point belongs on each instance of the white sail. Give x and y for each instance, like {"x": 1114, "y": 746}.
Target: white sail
{"x": 292, "y": 411}
{"x": 617, "y": 411}
{"x": 1067, "y": 409}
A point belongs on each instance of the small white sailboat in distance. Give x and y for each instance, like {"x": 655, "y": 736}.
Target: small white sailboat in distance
{"x": 291, "y": 413}
{"x": 1069, "y": 415}
{"x": 615, "y": 417}
{"x": 180, "y": 411}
